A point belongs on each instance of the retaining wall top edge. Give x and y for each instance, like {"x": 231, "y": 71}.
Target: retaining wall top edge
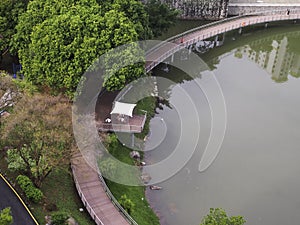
{"x": 264, "y": 4}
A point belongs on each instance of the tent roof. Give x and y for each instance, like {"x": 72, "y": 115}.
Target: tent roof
{"x": 123, "y": 108}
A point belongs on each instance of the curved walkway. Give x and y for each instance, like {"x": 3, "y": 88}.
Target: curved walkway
{"x": 93, "y": 195}
{"x": 161, "y": 52}
{"x": 10, "y": 198}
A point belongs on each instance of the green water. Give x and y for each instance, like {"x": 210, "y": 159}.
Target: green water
{"x": 256, "y": 172}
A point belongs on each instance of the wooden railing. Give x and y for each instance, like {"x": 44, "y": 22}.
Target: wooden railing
{"x": 110, "y": 196}
{"x": 116, "y": 203}
{"x": 84, "y": 201}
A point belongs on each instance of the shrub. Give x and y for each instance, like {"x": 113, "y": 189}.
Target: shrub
{"x": 126, "y": 203}
{"x": 59, "y": 218}
{"x": 6, "y": 217}
{"x": 32, "y": 193}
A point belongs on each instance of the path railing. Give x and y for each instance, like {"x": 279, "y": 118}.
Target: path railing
{"x": 84, "y": 201}
{"x": 110, "y": 196}
{"x": 162, "y": 51}
{"x": 116, "y": 203}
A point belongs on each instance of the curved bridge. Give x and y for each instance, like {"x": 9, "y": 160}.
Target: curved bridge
{"x": 161, "y": 52}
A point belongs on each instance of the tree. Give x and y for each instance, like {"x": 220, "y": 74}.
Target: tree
{"x": 218, "y": 217}
{"x": 6, "y": 217}
{"x": 135, "y": 11}
{"x": 9, "y": 12}
{"x": 39, "y": 135}
{"x": 58, "y": 40}
{"x": 161, "y": 16}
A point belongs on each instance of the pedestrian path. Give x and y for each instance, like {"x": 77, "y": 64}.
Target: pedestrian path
{"x": 93, "y": 195}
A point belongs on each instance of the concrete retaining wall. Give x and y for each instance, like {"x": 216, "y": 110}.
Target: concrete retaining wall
{"x": 199, "y": 9}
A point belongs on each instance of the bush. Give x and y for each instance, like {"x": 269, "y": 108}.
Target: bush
{"x": 32, "y": 193}
{"x": 126, "y": 203}
{"x": 59, "y": 218}
{"x": 6, "y": 217}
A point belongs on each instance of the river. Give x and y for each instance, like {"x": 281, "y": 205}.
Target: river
{"x": 256, "y": 171}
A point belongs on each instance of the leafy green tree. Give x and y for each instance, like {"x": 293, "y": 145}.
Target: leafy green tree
{"x": 9, "y": 12}
{"x": 218, "y": 216}
{"x": 134, "y": 10}
{"x": 58, "y": 40}
{"x": 161, "y": 16}
{"x": 6, "y": 217}
{"x": 39, "y": 133}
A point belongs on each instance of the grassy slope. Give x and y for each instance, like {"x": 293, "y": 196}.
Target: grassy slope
{"x": 142, "y": 213}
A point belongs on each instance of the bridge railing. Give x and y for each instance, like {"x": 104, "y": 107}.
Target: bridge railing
{"x": 116, "y": 203}
{"x": 258, "y": 17}
{"x": 262, "y": 13}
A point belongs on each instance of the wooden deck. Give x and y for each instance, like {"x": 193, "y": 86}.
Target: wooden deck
{"x": 134, "y": 124}
{"x": 93, "y": 195}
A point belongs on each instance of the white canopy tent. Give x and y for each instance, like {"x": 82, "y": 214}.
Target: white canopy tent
{"x": 123, "y": 108}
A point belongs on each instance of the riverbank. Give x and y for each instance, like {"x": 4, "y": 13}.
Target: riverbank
{"x": 142, "y": 212}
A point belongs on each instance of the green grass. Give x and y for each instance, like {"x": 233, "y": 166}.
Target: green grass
{"x": 147, "y": 104}
{"x": 60, "y": 190}
{"x": 142, "y": 212}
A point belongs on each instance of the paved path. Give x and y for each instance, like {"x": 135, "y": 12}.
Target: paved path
{"x": 8, "y": 198}
{"x": 93, "y": 195}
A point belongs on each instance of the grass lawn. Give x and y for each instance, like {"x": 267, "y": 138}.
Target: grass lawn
{"x": 60, "y": 190}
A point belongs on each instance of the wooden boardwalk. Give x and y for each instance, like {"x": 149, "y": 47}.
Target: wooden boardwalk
{"x": 163, "y": 51}
{"x": 135, "y": 124}
{"x": 93, "y": 195}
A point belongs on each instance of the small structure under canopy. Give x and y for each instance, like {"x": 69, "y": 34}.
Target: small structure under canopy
{"x": 123, "y": 108}
{"x": 122, "y": 119}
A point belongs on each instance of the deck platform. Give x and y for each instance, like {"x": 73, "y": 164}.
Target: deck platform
{"x": 134, "y": 124}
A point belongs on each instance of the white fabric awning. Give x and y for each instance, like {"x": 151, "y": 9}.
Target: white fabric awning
{"x": 123, "y": 108}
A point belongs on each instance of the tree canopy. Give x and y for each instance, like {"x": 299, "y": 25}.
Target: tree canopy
{"x": 161, "y": 16}
{"x": 39, "y": 135}
{"x": 9, "y": 12}
{"x": 57, "y": 40}
{"x": 219, "y": 217}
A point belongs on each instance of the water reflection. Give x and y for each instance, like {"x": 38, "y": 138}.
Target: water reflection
{"x": 279, "y": 57}
{"x": 255, "y": 173}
